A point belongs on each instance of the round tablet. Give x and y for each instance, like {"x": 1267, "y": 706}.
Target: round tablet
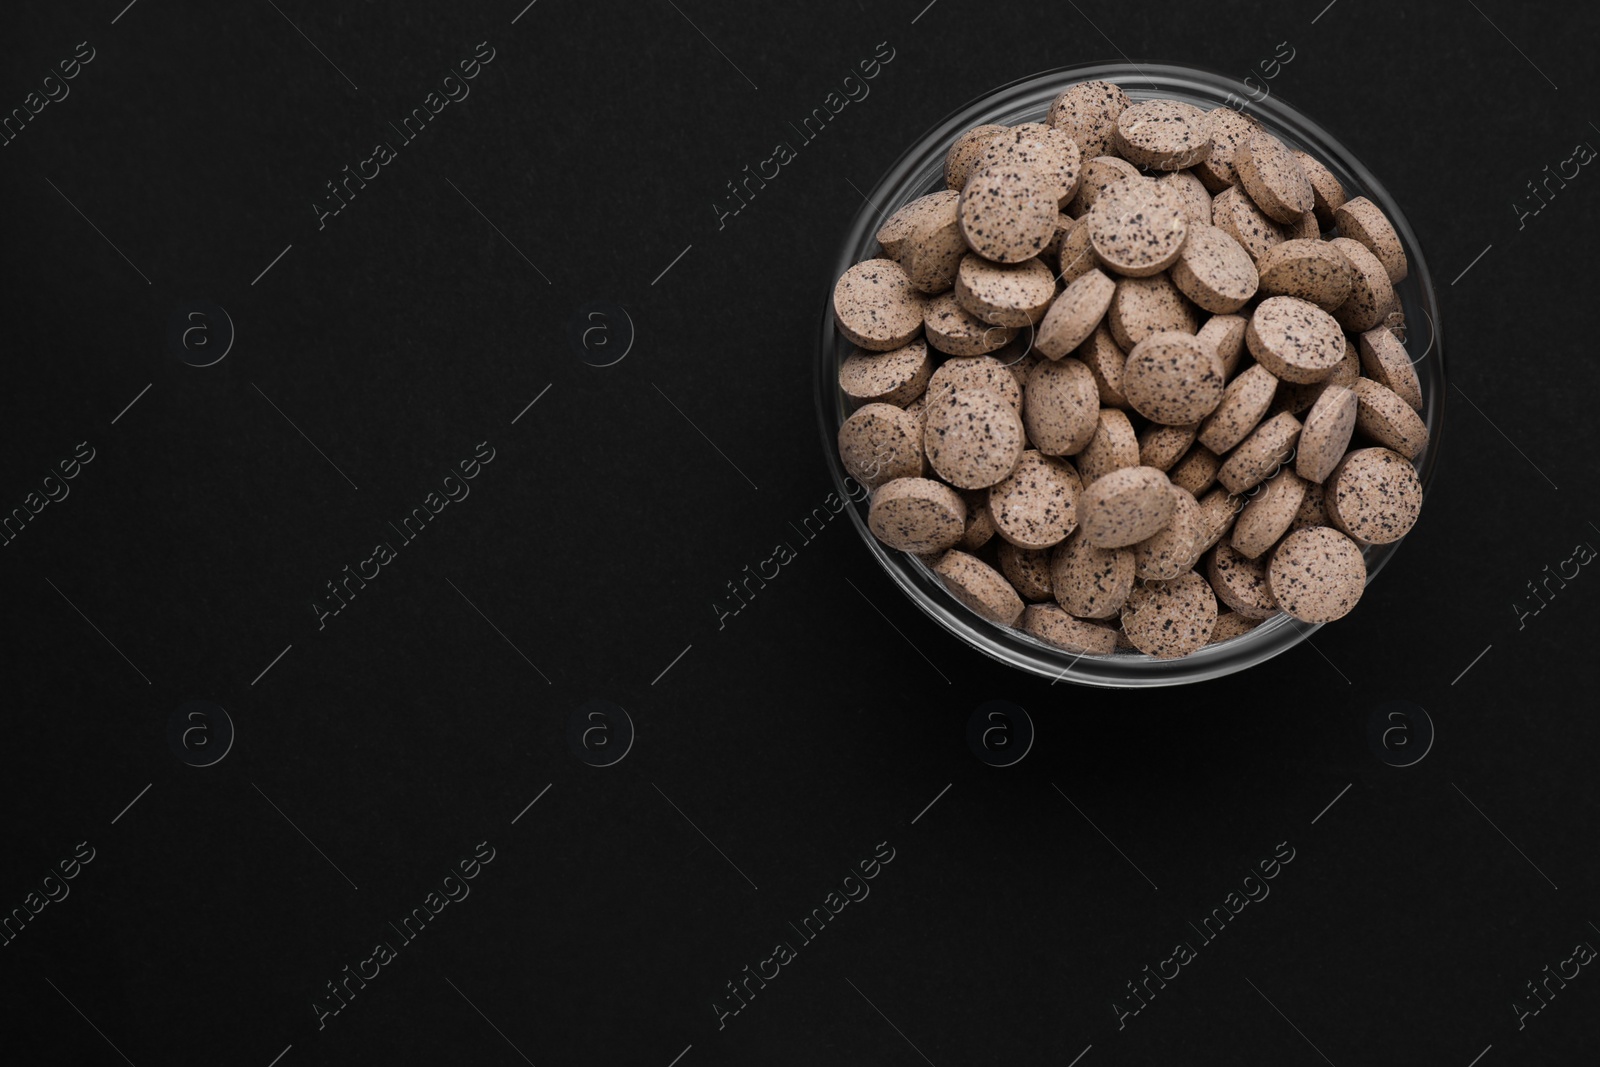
{"x": 1389, "y": 420}
{"x": 1027, "y": 569}
{"x": 1074, "y": 314}
{"x": 1237, "y": 215}
{"x": 963, "y": 155}
{"x": 955, "y": 331}
{"x": 1053, "y": 626}
{"x": 1137, "y": 228}
{"x": 1191, "y": 195}
{"x": 1244, "y": 403}
{"x": 1144, "y": 306}
{"x": 896, "y": 377}
{"x": 1313, "y": 270}
{"x": 1267, "y": 448}
{"x": 1075, "y": 256}
{"x": 1125, "y": 507}
{"x": 1089, "y": 581}
{"x": 1037, "y": 145}
{"x": 1326, "y": 433}
{"x": 1112, "y": 447}
{"x": 1162, "y": 134}
{"x": 1227, "y": 129}
{"x": 1087, "y": 112}
{"x": 1231, "y": 624}
{"x": 1196, "y": 471}
{"x": 1317, "y": 574}
{"x": 1371, "y": 296}
{"x": 1099, "y": 174}
{"x": 879, "y": 443}
{"x": 1374, "y": 495}
{"x": 1214, "y": 271}
{"x": 1171, "y": 550}
{"x": 1296, "y": 397}
{"x": 1172, "y": 378}
{"x": 1364, "y": 222}
{"x": 1269, "y": 172}
{"x": 1008, "y": 211}
{"x": 978, "y": 372}
{"x": 1060, "y": 407}
{"x": 1268, "y": 514}
{"x": 973, "y": 436}
{"x": 917, "y": 515}
{"x": 1225, "y": 334}
{"x": 1327, "y": 195}
{"x": 1171, "y": 619}
{"x": 979, "y": 586}
{"x": 876, "y": 306}
{"x": 1162, "y": 446}
{"x": 933, "y": 249}
{"x": 1385, "y": 360}
{"x": 1104, "y": 360}
{"x": 1294, "y": 339}
{"x": 894, "y": 233}
{"x": 1005, "y": 294}
{"x": 1240, "y": 583}
{"x": 1035, "y": 506}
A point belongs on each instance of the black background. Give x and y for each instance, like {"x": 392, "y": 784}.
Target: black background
{"x": 780, "y": 749}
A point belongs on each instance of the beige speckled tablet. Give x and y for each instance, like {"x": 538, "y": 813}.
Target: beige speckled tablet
{"x": 1051, "y": 253}
{"x": 1214, "y": 271}
{"x": 1074, "y": 314}
{"x": 1144, "y": 306}
{"x": 1171, "y": 378}
{"x": 1191, "y": 195}
{"x": 1088, "y": 581}
{"x": 1244, "y": 403}
{"x": 1125, "y": 507}
{"x": 1259, "y": 455}
{"x": 1087, "y": 112}
{"x": 977, "y": 372}
{"x": 979, "y": 586}
{"x": 1020, "y": 359}
{"x": 1171, "y": 619}
{"x": 1326, "y": 433}
{"x": 1035, "y": 506}
{"x": 1162, "y": 446}
{"x": 1385, "y": 418}
{"x": 1008, "y": 211}
{"x": 1363, "y": 221}
{"x": 1296, "y": 397}
{"x": 1268, "y": 513}
{"x": 973, "y": 437}
{"x": 1371, "y": 293}
{"x": 1240, "y": 583}
{"x": 979, "y": 530}
{"x": 1313, "y": 270}
{"x": 903, "y": 224}
{"x": 1234, "y": 213}
{"x": 1061, "y": 407}
{"x": 1075, "y": 256}
{"x": 879, "y": 443}
{"x": 955, "y": 331}
{"x": 1327, "y": 195}
{"x": 1053, "y": 626}
{"x": 1196, "y": 471}
{"x": 1136, "y": 227}
{"x": 1005, "y": 294}
{"x": 1028, "y": 570}
{"x": 1385, "y": 360}
{"x": 1305, "y": 229}
{"x": 1269, "y": 172}
{"x": 876, "y": 306}
{"x": 1104, "y": 359}
{"x": 1374, "y": 495}
{"x": 917, "y": 515}
{"x": 1231, "y": 624}
{"x": 1317, "y": 574}
{"x": 1113, "y": 447}
{"x": 1099, "y": 173}
{"x": 1227, "y": 129}
{"x": 1218, "y": 509}
{"x": 896, "y": 377}
{"x": 1294, "y": 339}
{"x": 1225, "y": 334}
{"x": 1162, "y": 134}
{"x": 1170, "y": 551}
{"x": 1037, "y": 145}
{"x": 963, "y": 156}
{"x": 933, "y": 249}
{"x": 1313, "y": 509}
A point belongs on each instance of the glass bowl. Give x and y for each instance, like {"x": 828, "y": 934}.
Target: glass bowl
{"x": 920, "y": 170}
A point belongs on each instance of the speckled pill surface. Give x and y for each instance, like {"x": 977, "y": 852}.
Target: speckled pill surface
{"x": 1005, "y": 294}
{"x": 979, "y": 530}
{"x": 896, "y": 377}
{"x": 973, "y": 437}
{"x": 1317, "y": 574}
{"x": 1218, "y": 509}
{"x": 1244, "y": 403}
{"x": 1053, "y": 626}
{"x": 1233, "y": 212}
{"x": 978, "y": 372}
{"x": 1374, "y": 495}
{"x": 1267, "y": 515}
{"x": 1371, "y": 296}
{"x": 1137, "y": 228}
{"x": 1171, "y": 378}
{"x": 1113, "y": 446}
{"x": 1020, "y": 364}
{"x": 1271, "y": 174}
{"x": 1104, "y": 359}
{"x": 1267, "y": 448}
{"x": 1294, "y": 339}
{"x": 1325, "y": 434}
{"x": 1035, "y": 506}
{"x": 933, "y": 249}
{"x": 900, "y": 226}
{"x": 1074, "y": 314}
{"x": 1296, "y": 398}
{"x": 1313, "y": 270}
{"x": 1037, "y": 145}
{"x": 1240, "y": 583}
{"x": 876, "y": 306}
{"x": 1171, "y": 550}
{"x": 979, "y": 586}
{"x": 1385, "y": 360}
{"x": 1227, "y": 129}
{"x": 1075, "y": 256}
{"x": 1144, "y": 306}
{"x": 1161, "y": 446}
{"x": 955, "y": 331}
{"x": 917, "y": 515}
{"x": 1196, "y": 471}
{"x": 1231, "y": 624}
{"x": 1313, "y": 508}
{"x": 1099, "y": 174}
{"x": 1364, "y": 222}
{"x": 1087, "y": 112}
{"x": 1060, "y": 407}
{"x": 1027, "y": 569}
{"x": 1214, "y": 271}
{"x": 963, "y": 155}
{"x": 1088, "y": 581}
{"x": 1171, "y": 619}
{"x": 1385, "y": 418}
{"x": 1125, "y": 507}
{"x": 1162, "y": 134}
{"x": 1225, "y": 334}
{"x": 879, "y": 443}
{"x": 1327, "y": 195}
{"x": 1008, "y": 211}
{"x": 1191, "y": 194}
{"x": 1306, "y": 228}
